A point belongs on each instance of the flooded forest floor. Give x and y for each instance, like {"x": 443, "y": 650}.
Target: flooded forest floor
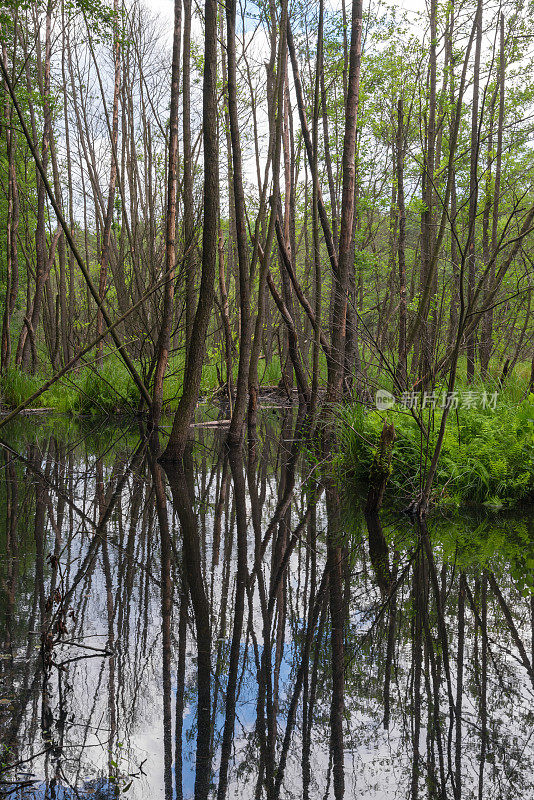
{"x": 239, "y": 628}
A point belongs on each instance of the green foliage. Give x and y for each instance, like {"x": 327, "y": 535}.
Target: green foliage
{"x": 487, "y": 455}
{"x": 16, "y": 386}
{"x": 97, "y": 392}
{"x": 106, "y": 391}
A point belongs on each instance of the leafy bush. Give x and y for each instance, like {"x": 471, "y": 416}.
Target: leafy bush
{"x": 487, "y": 455}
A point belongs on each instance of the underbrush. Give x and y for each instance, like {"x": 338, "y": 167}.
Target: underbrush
{"x": 16, "y": 386}
{"x": 108, "y": 390}
{"x": 487, "y": 455}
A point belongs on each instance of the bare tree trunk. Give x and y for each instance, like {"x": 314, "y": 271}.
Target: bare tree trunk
{"x": 41, "y": 268}
{"x": 341, "y": 279}
{"x": 487, "y": 321}
{"x": 275, "y": 147}
{"x": 427, "y": 217}
{"x": 235, "y": 433}
{"x": 402, "y": 367}
{"x": 473, "y": 189}
{"x": 225, "y": 314}
{"x": 319, "y": 90}
{"x": 197, "y": 346}
{"x": 164, "y": 339}
{"x": 13, "y": 207}
{"x": 188, "y": 221}
{"x": 106, "y": 234}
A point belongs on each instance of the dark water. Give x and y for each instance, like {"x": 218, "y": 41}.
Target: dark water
{"x": 304, "y": 650}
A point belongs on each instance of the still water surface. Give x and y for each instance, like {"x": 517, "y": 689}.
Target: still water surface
{"x": 235, "y": 629}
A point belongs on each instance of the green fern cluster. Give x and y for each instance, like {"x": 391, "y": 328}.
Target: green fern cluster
{"x": 487, "y": 455}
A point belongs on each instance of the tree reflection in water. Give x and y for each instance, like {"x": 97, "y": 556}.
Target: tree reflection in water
{"x": 226, "y": 629}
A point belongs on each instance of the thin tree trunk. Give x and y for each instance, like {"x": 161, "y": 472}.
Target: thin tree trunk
{"x": 275, "y": 147}
{"x": 225, "y": 314}
{"x": 188, "y": 221}
{"x": 13, "y": 213}
{"x": 164, "y": 339}
{"x": 402, "y": 368}
{"x": 238, "y": 416}
{"x": 197, "y": 346}
{"x": 473, "y": 190}
{"x": 487, "y": 322}
{"x": 106, "y": 234}
{"x": 41, "y": 271}
{"x": 341, "y": 280}
{"x": 319, "y": 89}
{"x": 427, "y": 218}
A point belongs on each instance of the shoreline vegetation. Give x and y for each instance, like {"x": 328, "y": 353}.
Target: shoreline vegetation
{"x": 212, "y": 208}
{"x": 487, "y": 453}
{"x": 486, "y": 460}
{"x": 102, "y": 390}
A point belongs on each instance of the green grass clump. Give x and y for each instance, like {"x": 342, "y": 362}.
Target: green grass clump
{"x": 16, "y": 386}
{"x": 487, "y": 455}
{"x": 108, "y": 390}
{"x": 97, "y": 392}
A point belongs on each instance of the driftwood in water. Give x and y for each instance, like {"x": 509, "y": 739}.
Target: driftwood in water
{"x": 380, "y": 469}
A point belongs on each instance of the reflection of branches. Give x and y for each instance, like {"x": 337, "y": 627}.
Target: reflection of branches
{"x": 512, "y": 627}
{"x": 267, "y": 667}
